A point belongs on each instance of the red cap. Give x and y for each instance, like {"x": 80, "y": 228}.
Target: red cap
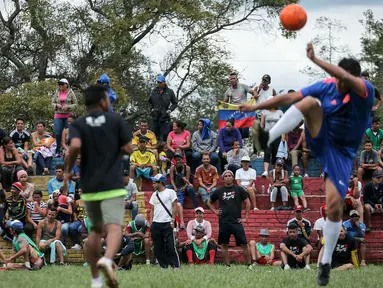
{"x": 298, "y": 208}
{"x": 322, "y": 210}
{"x": 18, "y": 186}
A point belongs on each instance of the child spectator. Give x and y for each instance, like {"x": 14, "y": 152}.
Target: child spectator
{"x": 296, "y": 188}
{"x": 163, "y": 160}
{"x": 179, "y": 151}
{"x": 64, "y": 202}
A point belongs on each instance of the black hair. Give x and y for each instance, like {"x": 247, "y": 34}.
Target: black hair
{"x": 205, "y": 154}
{"x": 160, "y": 146}
{"x": 351, "y": 65}
{"x": 291, "y": 91}
{"x": 19, "y": 119}
{"x": 233, "y": 74}
{"x": 38, "y": 192}
{"x": 365, "y": 73}
{"x": 292, "y": 226}
{"x": 375, "y": 120}
{"x": 235, "y": 140}
{"x": 40, "y": 122}
{"x": 231, "y": 121}
{"x": 6, "y": 140}
{"x": 72, "y": 116}
{"x": 143, "y": 121}
{"x": 180, "y": 124}
{"x": 53, "y": 209}
{"x": 295, "y": 166}
{"x": 94, "y": 93}
{"x": 368, "y": 142}
{"x": 60, "y": 166}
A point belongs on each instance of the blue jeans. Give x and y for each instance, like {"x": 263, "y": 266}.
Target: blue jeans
{"x": 59, "y": 125}
{"x": 181, "y": 195}
{"x": 134, "y": 207}
{"x": 204, "y": 195}
{"x": 196, "y": 160}
{"x": 75, "y": 231}
{"x": 64, "y": 231}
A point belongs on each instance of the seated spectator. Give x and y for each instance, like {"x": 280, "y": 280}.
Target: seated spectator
{"x": 36, "y": 211}
{"x": 64, "y": 136}
{"x": 76, "y": 172}
{"x": 375, "y": 134}
{"x": 139, "y": 231}
{"x": 356, "y": 229}
{"x": 53, "y": 202}
{"x": 295, "y": 251}
{"x": 163, "y": 160}
{"x": 226, "y": 137}
{"x": 85, "y": 231}
{"x": 304, "y": 225}
{"x": 200, "y": 250}
{"x": 3, "y": 205}
{"x": 78, "y": 216}
{"x": 28, "y": 188}
{"x": 180, "y": 152}
{"x": 352, "y": 200}
{"x": 123, "y": 257}
{"x": 373, "y": 198}
{"x": 294, "y": 144}
{"x": 279, "y": 181}
{"x": 10, "y": 162}
{"x": 268, "y": 119}
{"x": 64, "y": 212}
{"x": 263, "y": 252}
{"x": 207, "y": 176}
{"x": 131, "y": 192}
{"x": 179, "y": 138}
{"x": 369, "y": 161}
{"x": 246, "y": 178}
{"x": 24, "y": 247}
{"x": 234, "y": 156}
{"x": 145, "y": 132}
{"x": 21, "y": 138}
{"x": 199, "y": 220}
{"x": 16, "y": 205}
{"x": 319, "y": 224}
{"x": 204, "y": 141}
{"x": 142, "y": 161}
{"x": 48, "y": 237}
{"x": 179, "y": 179}
{"x": 58, "y": 182}
{"x": 296, "y": 188}
{"x": 44, "y": 147}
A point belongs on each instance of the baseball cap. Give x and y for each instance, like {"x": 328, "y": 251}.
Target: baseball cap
{"x": 17, "y": 186}
{"x": 159, "y": 178}
{"x": 266, "y": 77}
{"x": 126, "y": 172}
{"x": 264, "y": 232}
{"x": 63, "y": 81}
{"x": 245, "y": 159}
{"x": 298, "y": 208}
{"x": 353, "y": 212}
{"x": 199, "y": 209}
{"x": 377, "y": 174}
{"x": 16, "y": 225}
{"x": 140, "y": 220}
{"x": 279, "y": 161}
{"x": 161, "y": 78}
{"x": 200, "y": 228}
{"x": 178, "y": 155}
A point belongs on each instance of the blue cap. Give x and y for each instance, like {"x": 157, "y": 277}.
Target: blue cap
{"x": 16, "y": 225}
{"x": 159, "y": 178}
{"x": 161, "y": 78}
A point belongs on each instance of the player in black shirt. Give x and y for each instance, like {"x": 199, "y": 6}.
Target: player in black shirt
{"x": 230, "y": 199}
{"x": 295, "y": 251}
{"x": 100, "y": 137}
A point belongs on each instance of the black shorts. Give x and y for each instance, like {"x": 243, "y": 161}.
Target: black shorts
{"x": 228, "y": 229}
{"x": 293, "y": 263}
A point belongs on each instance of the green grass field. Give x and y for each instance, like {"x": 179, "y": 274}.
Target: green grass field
{"x": 193, "y": 276}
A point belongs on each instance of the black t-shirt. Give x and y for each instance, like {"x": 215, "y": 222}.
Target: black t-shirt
{"x": 342, "y": 251}
{"x": 20, "y": 138}
{"x": 230, "y": 201}
{"x": 296, "y": 245}
{"x": 102, "y": 135}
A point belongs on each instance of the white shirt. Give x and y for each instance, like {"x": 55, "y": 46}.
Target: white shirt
{"x": 319, "y": 225}
{"x": 245, "y": 176}
{"x": 168, "y": 196}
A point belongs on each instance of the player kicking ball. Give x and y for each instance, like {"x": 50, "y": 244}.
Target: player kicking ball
{"x": 100, "y": 137}
{"x": 336, "y": 113}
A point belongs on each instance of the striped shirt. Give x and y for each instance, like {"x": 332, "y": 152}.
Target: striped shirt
{"x": 35, "y": 216}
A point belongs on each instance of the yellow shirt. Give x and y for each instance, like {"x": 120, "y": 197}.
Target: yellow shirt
{"x": 149, "y": 134}
{"x": 162, "y": 163}
{"x": 137, "y": 157}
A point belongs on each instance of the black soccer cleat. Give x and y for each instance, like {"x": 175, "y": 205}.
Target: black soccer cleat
{"x": 323, "y": 274}
{"x": 260, "y": 137}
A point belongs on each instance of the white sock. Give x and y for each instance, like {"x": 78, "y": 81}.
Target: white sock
{"x": 97, "y": 280}
{"x": 28, "y": 265}
{"x": 331, "y": 235}
{"x": 288, "y": 122}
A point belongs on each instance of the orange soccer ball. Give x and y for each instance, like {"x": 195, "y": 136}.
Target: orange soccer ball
{"x": 293, "y": 17}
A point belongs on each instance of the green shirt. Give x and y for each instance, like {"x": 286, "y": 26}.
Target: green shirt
{"x": 264, "y": 250}
{"x": 376, "y": 139}
{"x": 296, "y": 183}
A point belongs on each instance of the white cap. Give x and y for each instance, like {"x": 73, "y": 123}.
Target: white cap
{"x": 245, "y": 159}
{"x": 63, "y": 81}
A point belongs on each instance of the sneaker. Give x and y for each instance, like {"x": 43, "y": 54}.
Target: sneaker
{"x": 260, "y": 137}
{"x": 86, "y": 264}
{"x": 147, "y": 262}
{"x": 322, "y": 175}
{"x": 323, "y": 274}
{"x": 306, "y": 175}
{"x": 250, "y": 267}
{"x": 307, "y": 209}
{"x": 97, "y": 283}
{"x": 363, "y": 263}
{"x": 76, "y": 247}
{"x": 272, "y": 209}
{"x": 106, "y": 267}
{"x": 255, "y": 209}
{"x": 287, "y": 267}
{"x": 265, "y": 174}
{"x": 307, "y": 267}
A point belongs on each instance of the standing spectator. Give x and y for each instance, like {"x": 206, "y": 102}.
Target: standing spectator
{"x": 105, "y": 80}
{"x": 279, "y": 181}
{"x": 296, "y": 188}
{"x": 226, "y": 136}
{"x": 28, "y": 188}
{"x": 295, "y": 251}
{"x": 207, "y": 176}
{"x": 162, "y": 218}
{"x": 64, "y": 101}
{"x": 204, "y": 141}
{"x": 21, "y": 138}
{"x": 268, "y": 119}
{"x": 145, "y": 132}
{"x": 10, "y": 162}
{"x": 139, "y": 231}
{"x": 356, "y": 229}
{"x": 159, "y": 100}
{"x": 369, "y": 161}
{"x": 230, "y": 220}
{"x": 264, "y": 91}
{"x": 246, "y": 177}
{"x": 304, "y": 225}
{"x": 64, "y": 136}
{"x": 142, "y": 161}
{"x": 131, "y": 192}
{"x": 294, "y": 144}
{"x": 36, "y": 211}
{"x": 43, "y": 145}
{"x": 179, "y": 138}
{"x": 58, "y": 182}
{"x": 373, "y": 197}
{"x": 235, "y": 155}
{"x": 48, "y": 237}
{"x": 352, "y": 200}
{"x": 375, "y": 134}
{"x": 263, "y": 252}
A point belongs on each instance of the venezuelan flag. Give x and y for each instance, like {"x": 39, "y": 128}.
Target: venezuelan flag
{"x": 242, "y": 120}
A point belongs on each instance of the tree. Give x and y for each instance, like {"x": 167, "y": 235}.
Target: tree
{"x": 327, "y": 45}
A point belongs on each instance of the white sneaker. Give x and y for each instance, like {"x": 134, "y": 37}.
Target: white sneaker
{"x": 106, "y": 267}
{"x": 306, "y": 175}
{"x": 307, "y": 267}
{"x": 287, "y": 267}
{"x": 322, "y": 175}
{"x": 255, "y": 209}
{"x": 97, "y": 283}
{"x": 147, "y": 262}
{"x": 272, "y": 209}
{"x": 265, "y": 174}
{"x": 76, "y": 247}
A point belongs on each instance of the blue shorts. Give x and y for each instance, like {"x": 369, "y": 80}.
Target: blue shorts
{"x": 144, "y": 172}
{"x": 335, "y": 164}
